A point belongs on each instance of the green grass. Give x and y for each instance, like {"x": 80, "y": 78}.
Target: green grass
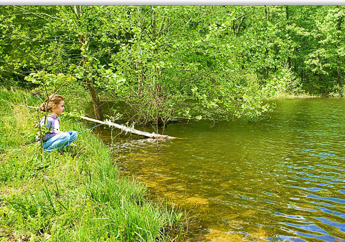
{"x": 74, "y": 196}
{"x": 284, "y": 95}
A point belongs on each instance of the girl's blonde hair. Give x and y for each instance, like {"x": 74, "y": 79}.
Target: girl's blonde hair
{"x": 49, "y": 103}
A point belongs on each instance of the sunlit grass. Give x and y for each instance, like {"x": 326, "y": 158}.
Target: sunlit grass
{"x": 74, "y": 196}
{"x": 283, "y": 95}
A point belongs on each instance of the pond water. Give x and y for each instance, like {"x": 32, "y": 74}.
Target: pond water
{"x": 281, "y": 178}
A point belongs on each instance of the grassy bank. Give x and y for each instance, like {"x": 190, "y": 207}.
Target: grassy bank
{"x": 74, "y": 196}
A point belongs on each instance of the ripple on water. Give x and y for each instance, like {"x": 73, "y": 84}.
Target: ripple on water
{"x": 277, "y": 179}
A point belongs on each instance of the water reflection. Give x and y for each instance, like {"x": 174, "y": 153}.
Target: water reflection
{"x": 281, "y": 178}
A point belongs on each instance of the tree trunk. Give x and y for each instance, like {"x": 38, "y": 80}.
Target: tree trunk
{"x": 340, "y": 81}
{"x": 139, "y": 62}
{"x": 155, "y": 76}
{"x": 339, "y": 62}
{"x": 239, "y": 26}
{"x": 95, "y": 101}
{"x": 84, "y": 48}
{"x": 288, "y": 32}
{"x": 267, "y": 13}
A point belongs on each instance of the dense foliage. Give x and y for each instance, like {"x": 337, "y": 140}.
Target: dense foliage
{"x": 178, "y": 61}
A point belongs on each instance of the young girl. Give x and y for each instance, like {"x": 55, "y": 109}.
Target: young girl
{"x": 55, "y": 139}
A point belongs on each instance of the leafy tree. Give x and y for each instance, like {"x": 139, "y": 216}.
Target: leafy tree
{"x": 215, "y": 62}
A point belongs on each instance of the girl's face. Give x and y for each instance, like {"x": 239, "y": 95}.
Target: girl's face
{"x": 58, "y": 109}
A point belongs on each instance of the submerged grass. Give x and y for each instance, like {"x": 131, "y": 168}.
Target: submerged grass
{"x": 74, "y": 196}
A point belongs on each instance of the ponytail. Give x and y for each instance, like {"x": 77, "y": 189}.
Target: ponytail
{"x": 43, "y": 107}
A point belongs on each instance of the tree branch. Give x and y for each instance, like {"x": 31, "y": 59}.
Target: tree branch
{"x": 239, "y": 26}
{"x": 37, "y": 14}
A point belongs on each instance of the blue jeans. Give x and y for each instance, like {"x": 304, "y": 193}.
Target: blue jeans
{"x": 60, "y": 141}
